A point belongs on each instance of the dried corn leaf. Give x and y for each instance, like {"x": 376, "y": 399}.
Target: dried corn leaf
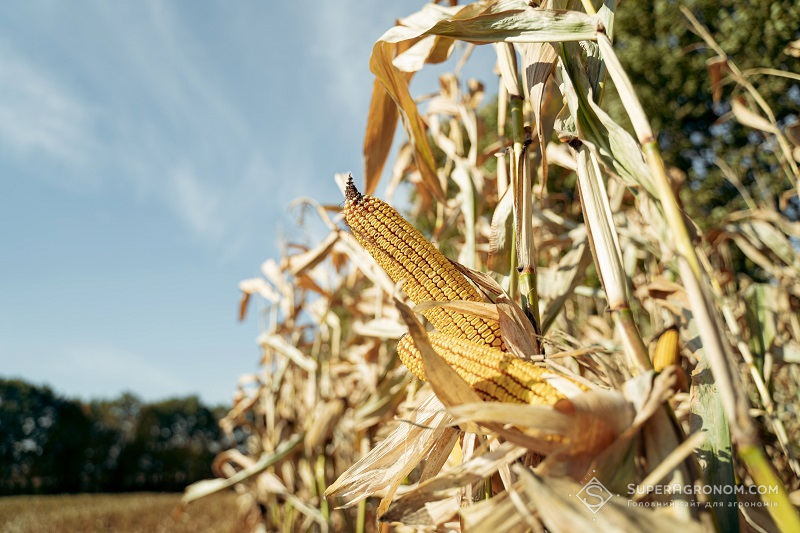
{"x": 326, "y": 416}
{"x": 507, "y": 21}
{"x": 539, "y": 61}
{"x": 429, "y": 49}
{"x": 493, "y": 515}
{"x": 518, "y": 333}
{"x": 203, "y": 488}
{"x": 748, "y": 118}
{"x": 602, "y": 230}
{"x": 502, "y": 235}
{"x": 382, "y": 328}
{"x": 559, "y": 282}
{"x": 395, "y": 84}
{"x": 282, "y": 346}
{"x": 414, "y": 507}
{"x": 561, "y": 509}
{"x": 614, "y": 147}
{"x": 305, "y": 261}
{"x": 387, "y": 464}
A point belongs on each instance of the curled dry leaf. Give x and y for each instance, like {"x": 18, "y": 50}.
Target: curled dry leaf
{"x": 305, "y": 261}
{"x": 386, "y": 465}
{"x": 518, "y": 332}
{"x": 424, "y": 505}
{"x": 280, "y": 345}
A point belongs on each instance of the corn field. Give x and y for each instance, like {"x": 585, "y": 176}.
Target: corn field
{"x": 550, "y": 362}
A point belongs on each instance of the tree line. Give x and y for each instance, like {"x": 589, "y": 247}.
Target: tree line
{"x": 50, "y": 444}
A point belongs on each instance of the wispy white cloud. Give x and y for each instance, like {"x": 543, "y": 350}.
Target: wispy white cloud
{"x": 38, "y": 116}
{"x": 342, "y": 29}
{"x": 196, "y": 203}
{"x": 147, "y": 101}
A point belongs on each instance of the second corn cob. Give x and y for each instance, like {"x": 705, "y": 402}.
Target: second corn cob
{"x": 667, "y": 350}
{"x": 405, "y": 254}
{"x": 493, "y": 374}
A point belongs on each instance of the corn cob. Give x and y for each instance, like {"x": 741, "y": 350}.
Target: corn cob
{"x": 405, "y": 254}
{"x": 668, "y": 353}
{"x": 493, "y": 374}
{"x": 667, "y": 350}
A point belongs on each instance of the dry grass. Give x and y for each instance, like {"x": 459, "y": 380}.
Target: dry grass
{"x": 131, "y": 513}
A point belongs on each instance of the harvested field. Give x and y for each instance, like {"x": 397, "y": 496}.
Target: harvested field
{"x": 145, "y": 512}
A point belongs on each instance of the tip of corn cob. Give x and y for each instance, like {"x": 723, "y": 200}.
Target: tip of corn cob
{"x": 351, "y": 194}
{"x": 405, "y": 254}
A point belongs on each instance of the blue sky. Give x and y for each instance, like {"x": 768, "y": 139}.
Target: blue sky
{"x": 148, "y": 153}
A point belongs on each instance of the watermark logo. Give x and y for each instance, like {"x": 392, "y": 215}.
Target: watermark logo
{"x": 594, "y": 495}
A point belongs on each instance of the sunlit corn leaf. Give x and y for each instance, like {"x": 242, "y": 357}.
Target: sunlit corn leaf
{"x": 500, "y": 260}
{"x": 386, "y": 465}
{"x": 518, "y": 333}
{"x": 749, "y": 118}
{"x": 507, "y": 21}
{"x": 483, "y": 281}
{"x": 209, "y": 486}
{"x": 382, "y": 328}
{"x": 559, "y": 154}
{"x": 492, "y": 515}
{"x": 280, "y": 345}
{"x": 615, "y": 148}
{"x": 558, "y": 283}
{"x": 383, "y": 111}
{"x": 560, "y": 509}
{"x": 507, "y": 64}
{"x": 437, "y": 500}
{"x": 430, "y": 49}
{"x": 381, "y": 121}
{"x": 601, "y": 229}
{"x": 626, "y": 92}
{"x": 441, "y": 452}
{"x": 538, "y": 62}
{"x": 395, "y": 84}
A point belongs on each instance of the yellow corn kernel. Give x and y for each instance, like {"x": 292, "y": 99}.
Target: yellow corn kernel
{"x": 405, "y": 254}
{"x": 495, "y": 375}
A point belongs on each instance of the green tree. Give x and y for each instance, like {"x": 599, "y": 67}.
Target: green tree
{"x": 667, "y": 64}
{"x": 43, "y": 438}
{"x": 173, "y": 444}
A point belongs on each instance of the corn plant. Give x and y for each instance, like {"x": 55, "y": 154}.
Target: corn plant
{"x": 487, "y": 390}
